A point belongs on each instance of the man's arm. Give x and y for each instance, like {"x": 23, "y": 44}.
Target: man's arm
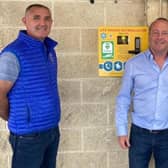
{"x": 9, "y": 71}
{"x": 5, "y": 87}
{"x": 123, "y": 102}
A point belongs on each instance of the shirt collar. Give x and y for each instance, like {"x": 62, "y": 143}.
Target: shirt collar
{"x": 149, "y": 54}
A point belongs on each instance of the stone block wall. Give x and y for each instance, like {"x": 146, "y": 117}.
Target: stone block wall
{"x": 88, "y": 137}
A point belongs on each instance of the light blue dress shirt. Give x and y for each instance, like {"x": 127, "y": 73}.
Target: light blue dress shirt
{"x": 9, "y": 67}
{"x": 146, "y": 85}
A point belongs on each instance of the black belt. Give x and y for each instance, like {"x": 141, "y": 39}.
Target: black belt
{"x": 150, "y": 131}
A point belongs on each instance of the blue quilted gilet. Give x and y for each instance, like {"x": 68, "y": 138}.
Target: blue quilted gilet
{"x": 34, "y": 99}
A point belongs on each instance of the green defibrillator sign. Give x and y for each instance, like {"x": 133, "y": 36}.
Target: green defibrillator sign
{"x": 107, "y": 51}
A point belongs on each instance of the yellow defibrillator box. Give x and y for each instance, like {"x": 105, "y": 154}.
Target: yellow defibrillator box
{"x": 116, "y": 45}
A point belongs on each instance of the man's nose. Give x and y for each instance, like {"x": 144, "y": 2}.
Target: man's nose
{"x": 42, "y": 22}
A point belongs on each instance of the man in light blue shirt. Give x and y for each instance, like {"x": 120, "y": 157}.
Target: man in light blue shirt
{"x": 145, "y": 83}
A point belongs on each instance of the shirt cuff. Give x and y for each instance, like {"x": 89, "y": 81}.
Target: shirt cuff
{"x": 122, "y": 130}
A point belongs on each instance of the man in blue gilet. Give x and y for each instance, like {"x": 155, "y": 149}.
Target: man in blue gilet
{"x": 29, "y": 98}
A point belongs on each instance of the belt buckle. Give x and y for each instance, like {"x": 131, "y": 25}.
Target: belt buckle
{"x": 154, "y": 131}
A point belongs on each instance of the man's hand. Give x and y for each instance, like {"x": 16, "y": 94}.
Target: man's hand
{"x": 124, "y": 142}
{"x": 5, "y": 87}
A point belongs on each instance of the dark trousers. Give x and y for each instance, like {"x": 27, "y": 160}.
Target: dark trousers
{"x": 144, "y": 143}
{"x": 37, "y": 150}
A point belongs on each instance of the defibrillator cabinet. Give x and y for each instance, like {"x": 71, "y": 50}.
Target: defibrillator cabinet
{"x": 116, "y": 45}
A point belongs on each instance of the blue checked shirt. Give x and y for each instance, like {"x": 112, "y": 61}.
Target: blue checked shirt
{"x": 146, "y": 85}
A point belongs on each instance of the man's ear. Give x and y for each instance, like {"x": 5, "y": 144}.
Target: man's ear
{"x": 24, "y": 20}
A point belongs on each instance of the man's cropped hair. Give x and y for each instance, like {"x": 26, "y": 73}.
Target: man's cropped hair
{"x": 36, "y": 5}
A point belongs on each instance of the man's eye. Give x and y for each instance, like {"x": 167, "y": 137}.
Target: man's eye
{"x": 155, "y": 33}
{"x": 48, "y": 19}
{"x": 164, "y": 33}
{"x": 36, "y": 18}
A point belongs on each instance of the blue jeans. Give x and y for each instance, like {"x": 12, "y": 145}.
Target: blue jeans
{"x": 37, "y": 150}
{"x": 145, "y": 143}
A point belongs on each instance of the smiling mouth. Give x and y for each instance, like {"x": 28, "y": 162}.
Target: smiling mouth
{"x": 161, "y": 43}
{"x": 44, "y": 28}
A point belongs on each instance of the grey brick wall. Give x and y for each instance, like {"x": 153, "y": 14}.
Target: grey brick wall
{"x": 88, "y": 137}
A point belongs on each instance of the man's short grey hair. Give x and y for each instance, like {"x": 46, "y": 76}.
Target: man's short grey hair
{"x": 36, "y": 5}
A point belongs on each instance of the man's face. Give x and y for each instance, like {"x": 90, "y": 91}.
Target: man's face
{"x": 38, "y": 22}
{"x": 158, "y": 37}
